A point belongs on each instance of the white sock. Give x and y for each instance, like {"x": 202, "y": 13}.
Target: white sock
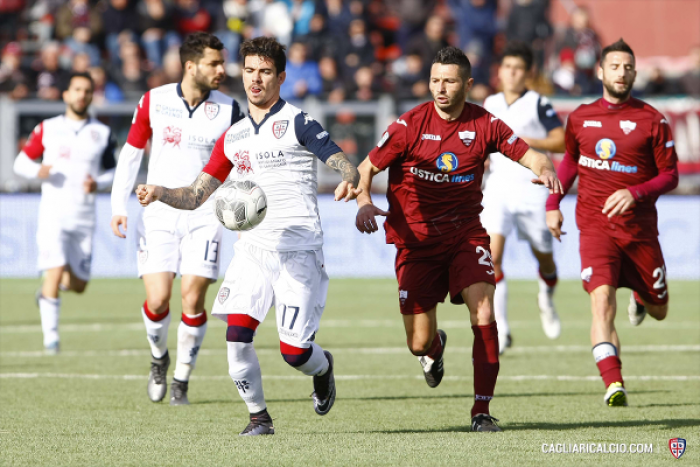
{"x": 49, "y": 308}
{"x": 500, "y": 307}
{"x": 244, "y": 369}
{"x": 189, "y": 340}
{"x": 317, "y": 364}
{"x": 157, "y": 333}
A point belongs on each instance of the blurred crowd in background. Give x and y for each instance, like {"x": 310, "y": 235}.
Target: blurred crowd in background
{"x": 337, "y": 49}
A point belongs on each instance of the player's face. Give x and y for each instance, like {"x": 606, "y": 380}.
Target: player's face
{"x": 209, "y": 70}
{"x": 78, "y": 96}
{"x": 261, "y": 81}
{"x": 617, "y": 72}
{"x": 513, "y": 74}
{"x": 447, "y": 86}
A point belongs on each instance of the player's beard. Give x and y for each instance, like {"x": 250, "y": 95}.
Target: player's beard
{"x": 203, "y": 83}
{"x": 452, "y": 103}
{"x": 79, "y": 111}
{"x": 621, "y": 95}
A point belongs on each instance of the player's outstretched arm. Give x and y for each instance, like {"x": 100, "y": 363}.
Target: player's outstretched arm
{"x": 542, "y": 166}
{"x": 351, "y": 177}
{"x": 187, "y": 198}
{"x": 366, "y": 213}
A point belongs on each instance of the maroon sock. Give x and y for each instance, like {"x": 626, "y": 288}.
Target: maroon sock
{"x": 485, "y": 361}
{"x": 435, "y": 348}
{"x": 611, "y": 370}
{"x": 638, "y": 299}
{"x": 549, "y": 279}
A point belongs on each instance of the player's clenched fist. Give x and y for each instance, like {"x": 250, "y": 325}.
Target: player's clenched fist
{"x": 365, "y": 221}
{"x": 148, "y": 194}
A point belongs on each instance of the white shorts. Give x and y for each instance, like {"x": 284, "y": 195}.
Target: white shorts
{"x": 295, "y": 282}
{"x": 523, "y": 210}
{"x": 188, "y": 242}
{"x": 59, "y": 246}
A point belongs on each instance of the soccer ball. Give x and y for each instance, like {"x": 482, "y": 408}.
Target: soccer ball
{"x": 240, "y": 205}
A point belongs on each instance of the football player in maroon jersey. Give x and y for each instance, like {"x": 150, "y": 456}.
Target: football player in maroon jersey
{"x": 623, "y": 153}
{"x": 435, "y": 154}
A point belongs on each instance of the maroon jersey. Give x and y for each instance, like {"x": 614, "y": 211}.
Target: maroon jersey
{"x": 616, "y": 147}
{"x": 435, "y": 171}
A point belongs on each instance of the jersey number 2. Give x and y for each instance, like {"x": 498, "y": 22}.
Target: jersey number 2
{"x": 659, "y": 273}
{"x": 485, "y": 259}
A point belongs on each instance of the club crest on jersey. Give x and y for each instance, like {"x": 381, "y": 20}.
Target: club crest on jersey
{"x": 95, "y": 135}
{"x": 223, "y": 294}
{"x": 279, "y": 128}
{"x": 447, "y": 162}
{"x": 677, "y": 447}
{"x": 605, "y": 148}
{"x": 211, "y": 110}
{"x": 467, "y": 137}
{"x": 172, "y": 134}
{"x": 627, "y": 126}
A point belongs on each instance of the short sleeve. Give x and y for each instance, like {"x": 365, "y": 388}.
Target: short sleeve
{"x": 505, "y": 141}
{"x": 311, "y": 135}
{"x": 35, "y": 144}
{"x": 392, "y": 146}
{"x": 570, "y": 139}
{"x": 219, "y": 166}
{"x": 141, "y": 130}
{"x": 547, "y": 115}
{"x": 107, "y": 160}
{"x": 664, "y": 146}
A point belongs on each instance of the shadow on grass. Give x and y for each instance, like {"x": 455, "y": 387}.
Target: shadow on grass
{"x": 543, "y": 426}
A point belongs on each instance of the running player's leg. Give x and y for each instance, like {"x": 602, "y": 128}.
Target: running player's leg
{"x": 472, "y": 282}
{"x": 300, "y": 298}
{"x": 76, "y": 275}
{"x": 545, "y": 298}
{"x": 601, "y": 260}
{"x": 644, "y": 271}
{"x": 52, "y": 260}
{"x": 243, "y": 300}
{"x": 423, "y": 283}
{"x": 500, "y": 299}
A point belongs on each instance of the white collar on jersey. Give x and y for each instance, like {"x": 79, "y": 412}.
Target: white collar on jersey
{"x": 184, "y": 101}
{"x": 273, "y": 110}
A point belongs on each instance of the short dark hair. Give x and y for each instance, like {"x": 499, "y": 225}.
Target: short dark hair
{"x": 619, "y": 46}
{"x": 520, "y": 50}
{"x": 81, "y": 74}
{"x": 267, "y": 47}
{"x": 192, "y": 49}
{"x": 454, "y": 56}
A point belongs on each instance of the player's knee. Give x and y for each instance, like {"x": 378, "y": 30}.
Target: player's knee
{"x": 79, "y": 286}
{"x": 295, "y": 356}
{"x": 158, "y": 305}
{"x": 419, "y": 347}
{"x": 192, "y": 300}
{"x": 658, "y": 312}
{"x": 241, "y": 328}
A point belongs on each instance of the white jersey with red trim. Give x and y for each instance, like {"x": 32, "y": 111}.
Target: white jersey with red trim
{"x": 280, "y": 155}
{"x": 74, "y": 149}
{"x": 182, "y": 139}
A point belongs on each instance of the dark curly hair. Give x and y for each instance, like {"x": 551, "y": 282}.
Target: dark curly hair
{"x": 454, "y": 56}
{"x": 192, "y": 49}
{"x": 267, "y": 47}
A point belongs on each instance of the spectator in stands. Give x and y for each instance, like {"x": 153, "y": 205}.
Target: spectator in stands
{"x": 104, "y": 90}
{"x": 10, "y": 15}
{"x": 690, "y": 82}
{"x": 320, "y": 41}
{"x": 365, "y": 86}
{"x": 332, "y": 89}
{"x": 191, "y": 16}
{"x": 120, "y": 23}
{"x": 77, "y": 14}
{"x": 659, "y": 84}
{"x": 413, "y": 15}
{"x": 357, "y": 50}
{"x": 275, "y": 20}
{"x": 80, "y": 63}
{"x": 429, "y": 41}
{"x": 303, "y": 78}
{"x": 527, "y": 22}
{"x": 339, "y": 14}
{"x": 130, "y": 77}
{"x": 12, "y": 79}
{"x": 476, "y": 28}
{"x": 412, "y": 82}
{"x": 155, "y": 19}
{"x": 301, "y": 12}
{"x": 50, "y": 78}
{"x": 81, "y": 43}
{"x": 172, "y": 67}
{"x": 565, "y": 77}
{"x": 583, "y": 41}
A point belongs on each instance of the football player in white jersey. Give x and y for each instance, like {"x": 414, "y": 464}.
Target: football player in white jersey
{"x": 182, "y": 122}
{"x": 511, "y": 200}
{"x": 280, "y": 262}
{"x": 75, "y": 149}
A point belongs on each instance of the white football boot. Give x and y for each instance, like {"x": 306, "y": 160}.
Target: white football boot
{"x": 548, "y": 314}
{"x": 636, "y": 311}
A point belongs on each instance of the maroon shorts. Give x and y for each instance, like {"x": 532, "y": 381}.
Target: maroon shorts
{"x": 428, "y": 273}
{"x": 635, "y": 264}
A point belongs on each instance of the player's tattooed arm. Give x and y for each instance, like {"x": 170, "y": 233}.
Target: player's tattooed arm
{"x": 347, "y": 189}
{"x": 340, "y": 163}
{"x": 187, "y": 198}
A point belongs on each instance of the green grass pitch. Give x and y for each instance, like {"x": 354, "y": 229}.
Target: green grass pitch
{"x": 88, "y": 406}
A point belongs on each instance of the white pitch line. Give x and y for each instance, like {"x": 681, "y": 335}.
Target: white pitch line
{"x": 353, "y": 377}
{"x": 360, "y": 351}
{"x": 341, "y": 323}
